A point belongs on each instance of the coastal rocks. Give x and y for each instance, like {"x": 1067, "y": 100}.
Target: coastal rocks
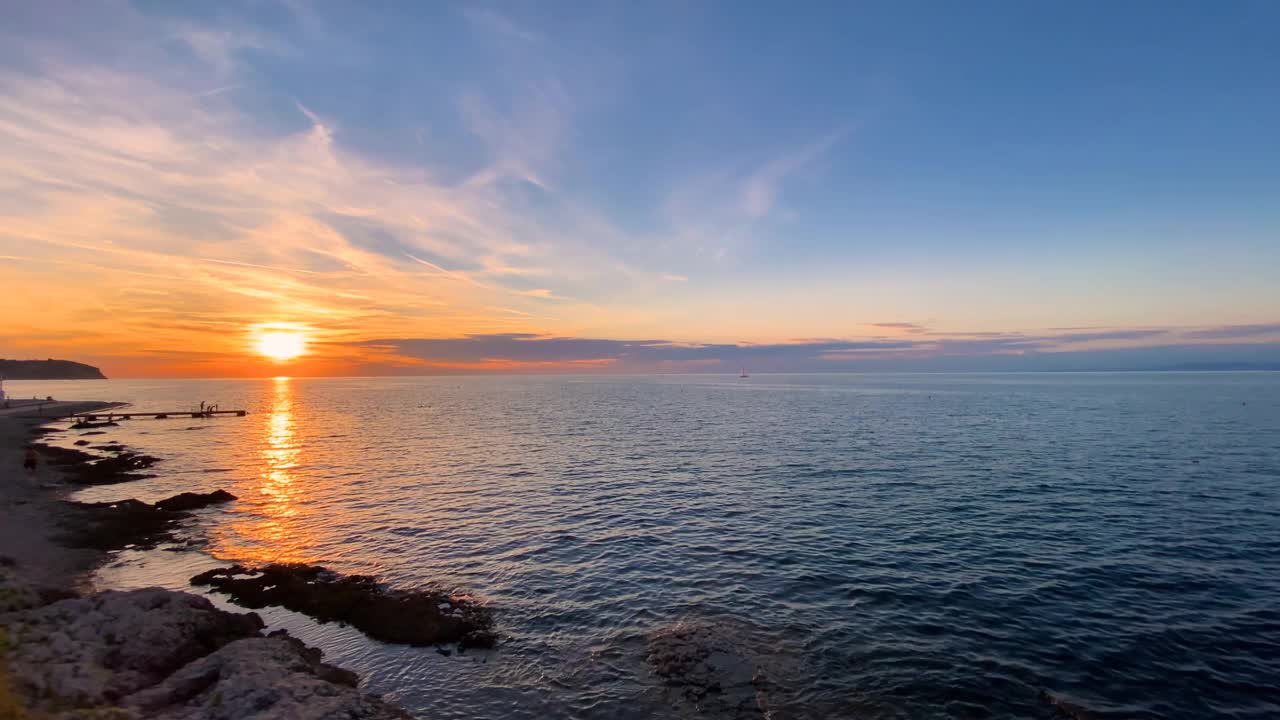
{"x": 156, "y": 653}
{"x": 82, "y": 468}
{"x": 87, "y": 652}
{"x": 120, "y": 468}
{"x": 409, "y": 617}
{"x": 115, "y": 525}
{"x": 265, "y": 677}
{"x": 194, "y": 501}
{"x": 712, "y": 667}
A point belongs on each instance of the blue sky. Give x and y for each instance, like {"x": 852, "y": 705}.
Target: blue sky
{"x": 704, "y": 173}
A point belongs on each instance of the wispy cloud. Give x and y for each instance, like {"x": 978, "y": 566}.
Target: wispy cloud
{"x": 900, "y": 327}
{"x": 1231, "y": 332}
{"x": 109, "y": 170}
{"x": 760, "y": 191}
{"x": 187, "y": 179}
{"x": 487, "y": 20}
{"x": 714, "y": 212}
{"x": 541, "y": 294}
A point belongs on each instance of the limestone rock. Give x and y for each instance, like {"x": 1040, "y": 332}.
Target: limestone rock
{"x": 86, "y": 652}
{"x": 260, "y": 678}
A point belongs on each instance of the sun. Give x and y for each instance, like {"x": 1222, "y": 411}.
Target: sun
{"x": 281, "y": 345}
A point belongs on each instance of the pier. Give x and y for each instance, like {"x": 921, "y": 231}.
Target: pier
{"x": 154, "y": 415}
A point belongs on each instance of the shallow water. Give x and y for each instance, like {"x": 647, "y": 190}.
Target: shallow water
{"x": 888, "y": 546}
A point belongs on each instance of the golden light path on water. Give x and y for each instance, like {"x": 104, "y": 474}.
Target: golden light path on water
{"x": 274, "y": 531}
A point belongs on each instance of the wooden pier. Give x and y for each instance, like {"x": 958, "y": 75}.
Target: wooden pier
{"x": 131, "y": 414}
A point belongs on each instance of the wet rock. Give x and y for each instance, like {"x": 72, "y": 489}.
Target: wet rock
{"x": 82, "y": 468}
{"x": 55, "y": 455}
{"x": 713, "y": 667}
{"x": 409, "y": 617}
{"x": 87, "y": 652}
{"x": 1066, "y": 708}
{"x": 194, "y": 501}
{"x": 265, "y": 677}
{"x": 117, "y": 469}
{"x": 115, "y": 525}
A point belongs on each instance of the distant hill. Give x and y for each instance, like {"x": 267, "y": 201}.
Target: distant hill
{"x": 48, "y": 370}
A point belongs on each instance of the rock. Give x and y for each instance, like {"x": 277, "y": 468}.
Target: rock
{"x": 85, "y": 469}
{"x": 114, "y": 525}
{"x": 264, "y": 677}
{"x": 715, "y": 666}
{"x": 194, "y": 501}
{"x": 88, "y": 652}
{"x": 1066, "y": 708}
{"x": 107, "y": 471}
{"x": 410, "y": 617}
{"x": 81, "y": 443}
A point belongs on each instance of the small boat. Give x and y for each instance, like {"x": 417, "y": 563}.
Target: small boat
{"x": 743, "y": 373}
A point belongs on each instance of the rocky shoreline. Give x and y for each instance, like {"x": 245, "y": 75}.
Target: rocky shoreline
{"x": 69, "y": 653}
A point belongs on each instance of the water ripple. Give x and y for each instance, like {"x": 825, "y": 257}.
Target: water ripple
{"x": 899, "y": 546}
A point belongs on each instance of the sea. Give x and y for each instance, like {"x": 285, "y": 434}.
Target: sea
{"x": 872, "y": 546}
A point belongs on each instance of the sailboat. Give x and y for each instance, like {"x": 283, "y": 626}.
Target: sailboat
{"x": 743, "y": 373}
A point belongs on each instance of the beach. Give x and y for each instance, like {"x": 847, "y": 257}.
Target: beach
{"x": 31, "y": 504}
{"x": 69, "y": 650}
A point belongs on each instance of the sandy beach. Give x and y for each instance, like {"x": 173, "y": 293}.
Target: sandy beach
{"x": 69, "y": 650}
{"x": 31, "y": 501}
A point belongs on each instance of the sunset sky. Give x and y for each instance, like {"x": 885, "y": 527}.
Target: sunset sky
{"x": 639, "y": 187}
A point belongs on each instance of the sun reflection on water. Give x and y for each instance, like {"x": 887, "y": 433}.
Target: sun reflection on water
{"x": 274, "y": 531}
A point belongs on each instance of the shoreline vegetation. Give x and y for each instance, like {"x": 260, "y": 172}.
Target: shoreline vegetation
{"x": 69, "y": 651}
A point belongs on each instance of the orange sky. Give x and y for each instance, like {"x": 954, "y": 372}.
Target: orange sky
{"x": 162, "y": 198}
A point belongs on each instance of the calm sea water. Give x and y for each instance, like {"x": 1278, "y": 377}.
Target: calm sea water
{"x": 888, "y": 546}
